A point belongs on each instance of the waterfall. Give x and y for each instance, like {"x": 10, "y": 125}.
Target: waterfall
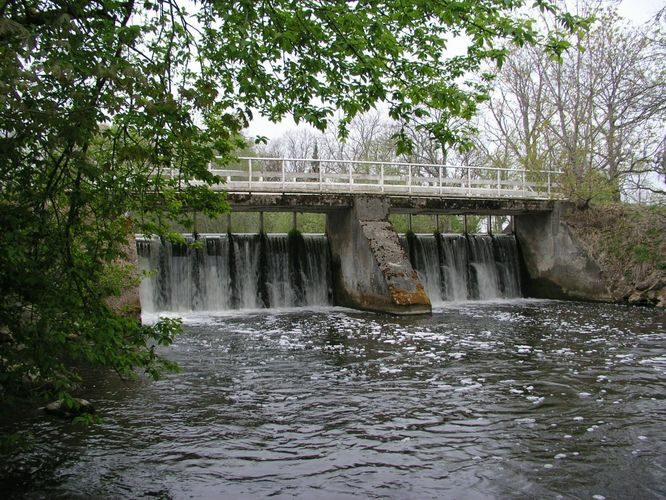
{"x": 505, "y": 249}
{"x": 424, "y": 256}
{"x": 250, "y": 271}
{"x": 483, "y": 275}
{"x": 238, "y": 271}
{"x": 454, "y": 261}
{"x": 472, "y": 267}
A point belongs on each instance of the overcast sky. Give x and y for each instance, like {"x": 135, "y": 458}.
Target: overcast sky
{"x": 639, "y": 11}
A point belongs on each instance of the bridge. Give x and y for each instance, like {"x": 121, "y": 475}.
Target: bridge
{"x": 322, "y": 185}
{"x": 370, "y": 268}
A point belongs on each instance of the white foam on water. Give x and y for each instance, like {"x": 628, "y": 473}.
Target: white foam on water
{"x": 211, "y": 317}
{"x": 525, "y": 420}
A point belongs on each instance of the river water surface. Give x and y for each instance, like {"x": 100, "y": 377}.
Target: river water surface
{"x": 519, "y": 399}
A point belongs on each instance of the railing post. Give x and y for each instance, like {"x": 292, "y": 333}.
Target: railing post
{"x": 321, "y": 187}
{"x": 381, "y": 176}
{"x": 549, "y": 185}
{"x": 498, "y": 183}
{"x": 409, "y": 183}
{"x": 524, "y": 184}
{"x": 440, "y": 189}
{"x": 469, "y": 181}
{"x": 249, "y": 179}
{"x": 283, "y": 167}
{"x": 351, "y": 180}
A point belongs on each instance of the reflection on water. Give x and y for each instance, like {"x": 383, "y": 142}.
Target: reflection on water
{"x": 522, "y": 399}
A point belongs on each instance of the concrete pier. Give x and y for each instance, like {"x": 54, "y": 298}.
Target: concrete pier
{"x": 371, "y": 270}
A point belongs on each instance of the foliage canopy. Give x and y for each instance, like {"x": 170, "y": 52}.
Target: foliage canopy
{"x": 113, "y": 109}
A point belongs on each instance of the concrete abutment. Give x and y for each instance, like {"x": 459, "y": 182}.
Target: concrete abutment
{"x": 556, "y": 263}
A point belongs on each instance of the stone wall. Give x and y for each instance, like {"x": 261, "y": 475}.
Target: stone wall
{"x": 609, "y": 253}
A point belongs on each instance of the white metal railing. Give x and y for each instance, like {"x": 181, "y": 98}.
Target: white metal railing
{"x": 311, "y": 175}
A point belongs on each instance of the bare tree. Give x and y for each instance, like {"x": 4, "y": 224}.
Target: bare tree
{"x": 598, "y": 114}
{"x": 369, "y": 139}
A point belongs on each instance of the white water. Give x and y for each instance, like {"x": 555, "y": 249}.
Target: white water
{"x": 250, "y": 272}
{"x": 458, "y": 268}
{"x": 238, "y": 272}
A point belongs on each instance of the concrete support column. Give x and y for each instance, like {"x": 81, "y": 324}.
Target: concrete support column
{"x": 371, "y": 270}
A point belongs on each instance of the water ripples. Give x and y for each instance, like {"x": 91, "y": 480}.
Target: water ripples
{"x": 480, "y": 400}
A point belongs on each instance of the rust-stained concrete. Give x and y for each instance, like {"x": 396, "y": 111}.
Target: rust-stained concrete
{"x": 371, "y": 270}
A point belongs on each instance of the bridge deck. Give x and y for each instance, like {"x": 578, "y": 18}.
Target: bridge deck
{"x": 308, "y": 184}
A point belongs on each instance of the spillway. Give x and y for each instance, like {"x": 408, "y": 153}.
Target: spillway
{"x": 239, "y": 271}
{"x": 251, "y": 271}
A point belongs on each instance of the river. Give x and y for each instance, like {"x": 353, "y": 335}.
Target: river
{"x": 505, "y": 399}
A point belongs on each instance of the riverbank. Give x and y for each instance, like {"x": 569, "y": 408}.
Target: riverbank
{"x": 628, "y": 242}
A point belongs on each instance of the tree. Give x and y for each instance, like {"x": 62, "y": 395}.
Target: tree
{"x": 369, "y": 137}
{"x": 598, "y": 115}
{"x": 113, "y": 109}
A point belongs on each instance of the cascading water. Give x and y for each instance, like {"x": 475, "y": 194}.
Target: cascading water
{"x": 250, "y": 271}
{"x": 471, "y": 267}
{"x": 237, "y": 271}
{"x": 454, "y": 263}
{"x": 505, "y": 250}
{"x": 424, "y": 256}
{"x": 483, "y": 275}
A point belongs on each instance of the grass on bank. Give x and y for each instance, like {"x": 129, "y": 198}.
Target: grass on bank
{"x": 628, "y": 241}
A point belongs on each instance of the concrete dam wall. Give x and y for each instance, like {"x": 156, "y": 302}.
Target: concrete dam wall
{"x": 362, "y": 263}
